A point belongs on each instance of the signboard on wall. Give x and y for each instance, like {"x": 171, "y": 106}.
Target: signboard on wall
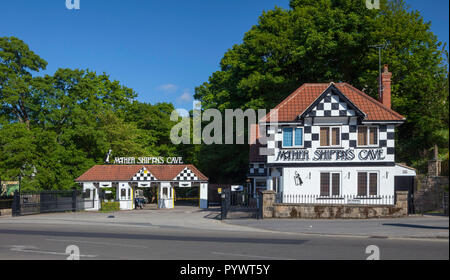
{"x": 148, "y": 160}
{"x": 185, "y": 184}
{"x": 330, "y": 155}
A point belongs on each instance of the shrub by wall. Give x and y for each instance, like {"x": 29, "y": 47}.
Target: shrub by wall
{"x": 110, "y": 206}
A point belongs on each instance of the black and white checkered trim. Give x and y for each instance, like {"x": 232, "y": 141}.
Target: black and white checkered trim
{"x": 144, "y": 175}
{"x": 257, "y": 169}
{"x": 332, "y": 106}
{"x": 349, "y": 136}
{"x": 186, "y": 175}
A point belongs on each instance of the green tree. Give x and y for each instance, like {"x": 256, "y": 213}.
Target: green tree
{"x": 17, "y": 62}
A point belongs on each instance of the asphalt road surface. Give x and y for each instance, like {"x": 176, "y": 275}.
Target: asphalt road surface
{"x": 100, "y": 237}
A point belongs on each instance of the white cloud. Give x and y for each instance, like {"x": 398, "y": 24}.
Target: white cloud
{"x": 182, "y": 112}
{"x": 168, "y": 88}
{"x": 185, "y": 97}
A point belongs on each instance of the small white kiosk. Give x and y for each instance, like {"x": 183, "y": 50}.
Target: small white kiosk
{"x": 99, "y": 181}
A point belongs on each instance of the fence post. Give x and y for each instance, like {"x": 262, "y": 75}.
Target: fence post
{"x": 268, "y": 199}
{"x": 74, "y": 200}
{"x": 16, "y": 204}
{"x": 223, "y": 208}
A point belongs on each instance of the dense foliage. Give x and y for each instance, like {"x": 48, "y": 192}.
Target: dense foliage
{"x": 53, "y": 128}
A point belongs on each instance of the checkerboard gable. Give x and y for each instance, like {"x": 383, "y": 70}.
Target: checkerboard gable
{"x": 143, "y": 175}
{"x": 186, "y": 175}
{"x": 332, "y": 105}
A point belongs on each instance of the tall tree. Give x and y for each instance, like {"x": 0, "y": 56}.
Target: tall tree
{"x": 17, "y": 62}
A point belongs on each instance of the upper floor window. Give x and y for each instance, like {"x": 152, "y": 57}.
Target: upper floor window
{"x": 292, "y": 137}
{"x": 367, "y": 136}
{"x": 330, "y": 136}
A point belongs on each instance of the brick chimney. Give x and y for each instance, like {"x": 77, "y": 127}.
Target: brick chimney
{"x": 385, "y": 90}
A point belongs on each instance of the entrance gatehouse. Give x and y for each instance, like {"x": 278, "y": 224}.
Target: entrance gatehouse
{"x": 169, "y": 185}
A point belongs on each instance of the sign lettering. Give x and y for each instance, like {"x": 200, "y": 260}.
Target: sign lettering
{"x": 331, "y": 155}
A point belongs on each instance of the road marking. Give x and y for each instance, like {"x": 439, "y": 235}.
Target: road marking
{"x": 249, "y": 256}
{"x": 33, "y": 249}
{"x": 97, "y": 243}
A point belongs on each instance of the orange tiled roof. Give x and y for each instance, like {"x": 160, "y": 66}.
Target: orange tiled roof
{"x": 112, "y": 173}
{"x": 296, "y": 103}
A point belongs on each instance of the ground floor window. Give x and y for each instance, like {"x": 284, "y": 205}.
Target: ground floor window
{"x": 330, "y": 184}
{"x": 367, "y": 183}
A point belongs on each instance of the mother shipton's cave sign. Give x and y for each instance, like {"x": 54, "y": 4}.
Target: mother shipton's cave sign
{"x": 148, "y": 160}
{"x": 331, "y": 155}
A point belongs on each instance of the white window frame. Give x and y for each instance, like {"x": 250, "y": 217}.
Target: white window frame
{"x": 330, "y": 127}
{"x": 293, "y": 137}
{"x": 368, "y": 183}
{"x": 368, "y": 136}
{"x": 330, "y": 191}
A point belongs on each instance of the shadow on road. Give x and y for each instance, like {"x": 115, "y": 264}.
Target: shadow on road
{"x": 154, "y": 237}
{"x": 415, "y": 226}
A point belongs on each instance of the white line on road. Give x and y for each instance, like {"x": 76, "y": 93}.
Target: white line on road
{"x": 32, "y": 249}
{"x": 249, "y": 256}
{"x": 97, "y": 243}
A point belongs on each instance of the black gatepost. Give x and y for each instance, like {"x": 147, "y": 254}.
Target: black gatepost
{"x": 16, "y": 204}
{"x": 74, "y": 200}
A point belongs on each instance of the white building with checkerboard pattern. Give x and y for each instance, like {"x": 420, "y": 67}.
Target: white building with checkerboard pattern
{"x": 328, "y": 142}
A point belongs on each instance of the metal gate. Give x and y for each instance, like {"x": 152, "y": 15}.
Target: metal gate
{"x": 406, "y": 183}
{"x": 27, "y": 203}
{"x": 240, "y": 205}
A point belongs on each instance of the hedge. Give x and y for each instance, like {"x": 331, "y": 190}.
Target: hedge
{"x": 110, "y": 206}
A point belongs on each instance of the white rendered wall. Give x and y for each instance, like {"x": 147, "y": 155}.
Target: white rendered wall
{"x": 165, "y": 201}
{"x": 126, "y": 202}
{"x": 204, "y": 195}
{"x": 349, "y": 178}
{"x": 91, "y": 187}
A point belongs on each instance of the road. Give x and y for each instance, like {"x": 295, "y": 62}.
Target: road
{"x": 171, "y": 235}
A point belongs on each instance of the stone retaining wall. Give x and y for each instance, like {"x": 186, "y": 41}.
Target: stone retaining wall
{"x": 315, "y": 211}
{"x": 5, "y": 212}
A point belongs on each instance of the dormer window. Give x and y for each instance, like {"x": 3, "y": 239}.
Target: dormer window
{"x": 330, "y": 136}
{"x": 292, "y": 137}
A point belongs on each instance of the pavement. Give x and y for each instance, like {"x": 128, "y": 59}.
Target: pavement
{"x": 409, "y": 227}
{"x": 192, "y": 234}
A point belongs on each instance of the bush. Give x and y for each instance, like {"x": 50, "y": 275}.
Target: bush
{"x": 110, "y": 206}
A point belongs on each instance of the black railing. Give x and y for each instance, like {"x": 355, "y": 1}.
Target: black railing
{"x": 240, "y": 204}
{"x": 6, "y": 202}
{"x": 27, "y": 203}
{"x": 445, "y": 203}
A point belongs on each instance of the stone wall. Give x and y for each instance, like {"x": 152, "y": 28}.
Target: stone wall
{"x": 320, "y": 211}
{"x": 5, "y": 212}
{"x": 429, "y": 194}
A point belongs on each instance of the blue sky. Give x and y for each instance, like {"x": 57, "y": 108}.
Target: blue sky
{"x": 161, "y": 49}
